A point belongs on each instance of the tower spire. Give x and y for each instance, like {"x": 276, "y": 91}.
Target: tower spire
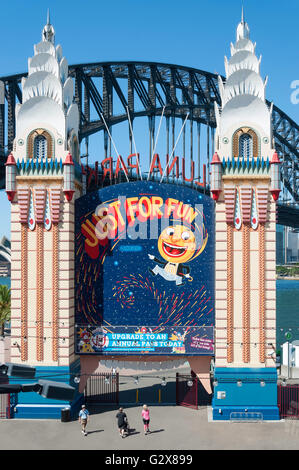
{"x": 48, "y": 31}
{"x": 243, "y": 28}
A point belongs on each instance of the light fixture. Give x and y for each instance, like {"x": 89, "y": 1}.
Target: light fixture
{"x": 190, "y": 383}
{"x": 239, "y": 383}
{"x": 263, "y": 383}
{"x": 77, "y": 379}
{"x": 163, "y": 383}
{"x": 11, "y": 170}
{"x": 68, "y": 172}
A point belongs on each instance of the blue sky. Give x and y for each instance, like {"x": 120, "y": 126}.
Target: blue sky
{"x": 194, "y": 33}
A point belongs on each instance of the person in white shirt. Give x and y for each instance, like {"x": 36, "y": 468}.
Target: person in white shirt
{"x": 83, "y": 419}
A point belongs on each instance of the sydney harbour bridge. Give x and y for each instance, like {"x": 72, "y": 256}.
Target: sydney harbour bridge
{"x": 109, "y": 93}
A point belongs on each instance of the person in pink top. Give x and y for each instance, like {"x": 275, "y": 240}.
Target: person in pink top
{"x": 146, "y": 419}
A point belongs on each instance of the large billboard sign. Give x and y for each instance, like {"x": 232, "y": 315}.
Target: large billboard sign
{"x": 144, "y": 258}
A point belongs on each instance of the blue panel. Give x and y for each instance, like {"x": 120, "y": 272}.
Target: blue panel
{"x": 149, "y": 286}
{"x": 33, "y": 405}
{"x": 245, "y": 390}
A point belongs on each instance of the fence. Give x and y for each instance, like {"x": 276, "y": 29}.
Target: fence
{"x": 4, "y": 401}
{"x": 5, "y": 406}
{"x": 288, "y": 401}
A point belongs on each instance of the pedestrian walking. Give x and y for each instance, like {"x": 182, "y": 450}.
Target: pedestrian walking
{"x": 122, "y": 422}
{"x": 146, "y": 419}
{"x": 83, "y": 419}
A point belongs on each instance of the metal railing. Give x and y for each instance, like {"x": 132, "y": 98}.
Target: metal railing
{"x": 246, "y": 416}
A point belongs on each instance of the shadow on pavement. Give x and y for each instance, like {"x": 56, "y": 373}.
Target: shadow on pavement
{"x": 93, "y": 432}
{"x": 132, "y": 432}
{"x": 157, "y": 430}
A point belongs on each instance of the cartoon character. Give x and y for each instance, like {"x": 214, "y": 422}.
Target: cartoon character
{"x": 84, "y": 343}
{"x": 85, "y": 336}
{"x": 144, "y": 330}
{"x": 179, "y": 337}
{"x": 176, "y": 245}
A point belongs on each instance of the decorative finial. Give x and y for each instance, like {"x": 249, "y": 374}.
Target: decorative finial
{"x": 243, "y": 28}
{"x": 48, "y": 31}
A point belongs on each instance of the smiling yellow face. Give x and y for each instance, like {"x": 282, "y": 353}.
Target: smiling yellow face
{"x": 176, "y": 244}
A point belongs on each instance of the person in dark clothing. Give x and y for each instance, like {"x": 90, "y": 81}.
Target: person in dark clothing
{"x": 122, "y": 422}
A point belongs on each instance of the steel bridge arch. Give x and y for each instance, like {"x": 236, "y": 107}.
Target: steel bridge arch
{"x": 149, "y": 87}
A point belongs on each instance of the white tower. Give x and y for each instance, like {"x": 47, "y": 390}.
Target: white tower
{"x": 244, "y": 172}
{"x": 43, "y": 180}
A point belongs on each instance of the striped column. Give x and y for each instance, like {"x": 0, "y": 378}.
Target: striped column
{"x": 23, "y": 202}
{"x": 230, "y": 293}
{"x": 39, "y": 206}
{"x": 55, "y": 198}
{"x": 246, "y": 201}
{"x": 262, "y": 204}
{"x": 230, "y": 201}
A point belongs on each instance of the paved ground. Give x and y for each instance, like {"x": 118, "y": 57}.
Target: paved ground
{"x": 173, "y": 428}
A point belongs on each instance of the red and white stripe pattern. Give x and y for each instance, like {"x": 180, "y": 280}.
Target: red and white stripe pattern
{"x": 254, "y": 217}
{"x": 39, "y": 203}
{"x": 23, "y": 201}
{"x": 55, "y": 198}
{"x": 262, "y": 202}
{"x": 246, "y": 201}
{"x": 230, "y": 201}
{"x": 47, "y": 217}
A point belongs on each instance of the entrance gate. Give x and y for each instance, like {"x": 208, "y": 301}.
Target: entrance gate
{"x": 190, "y": 392}
{"x": 102, "y": 389}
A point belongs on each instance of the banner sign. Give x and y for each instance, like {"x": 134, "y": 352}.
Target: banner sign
{"x": 144, "y": 256}
{"x": 193, "y": 340}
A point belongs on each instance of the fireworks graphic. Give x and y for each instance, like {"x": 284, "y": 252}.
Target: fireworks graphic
{"x": 181, "y": 309}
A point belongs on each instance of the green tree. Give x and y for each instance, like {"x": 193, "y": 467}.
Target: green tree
{"x": 4, "y": 307}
